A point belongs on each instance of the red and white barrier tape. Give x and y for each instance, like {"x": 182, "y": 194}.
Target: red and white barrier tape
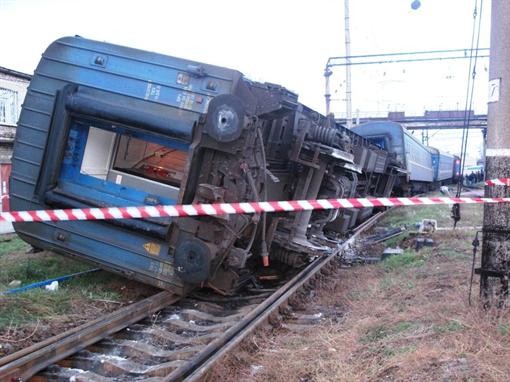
{"x": 498, "y": 182}
{"x": 109, "y": 213}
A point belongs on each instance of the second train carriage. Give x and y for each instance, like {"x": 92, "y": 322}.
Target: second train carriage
{"x": 105, "y": 125}
{"x": 412, "y": 153}
{"x": 425, "y": 167}
{"x": 446, "y": 166}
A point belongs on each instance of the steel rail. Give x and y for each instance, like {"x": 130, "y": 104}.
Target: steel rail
{"x": 197, "y": 367}
{"x": 25, "y": 363}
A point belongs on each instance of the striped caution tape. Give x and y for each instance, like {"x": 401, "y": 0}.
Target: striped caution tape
{"x": 498, "y": 182}
{"x": 109, "y": 213}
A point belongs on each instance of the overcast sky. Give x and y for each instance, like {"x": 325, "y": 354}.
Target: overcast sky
{"x": 281, "y": 41}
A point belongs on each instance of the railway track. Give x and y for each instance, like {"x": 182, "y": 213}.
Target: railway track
{"x": 162, "y": 338}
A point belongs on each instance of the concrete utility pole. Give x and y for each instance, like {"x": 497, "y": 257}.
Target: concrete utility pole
{"x": 495, "y": 269}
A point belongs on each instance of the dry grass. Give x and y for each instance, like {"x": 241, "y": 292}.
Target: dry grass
{"x": 407, "y": 322}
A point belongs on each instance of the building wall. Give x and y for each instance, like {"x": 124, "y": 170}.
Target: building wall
{"x": 13, "y": 88}
{"x": 12, "y": 93}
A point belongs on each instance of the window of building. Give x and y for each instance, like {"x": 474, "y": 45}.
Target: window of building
{"x": 8, "y": 106}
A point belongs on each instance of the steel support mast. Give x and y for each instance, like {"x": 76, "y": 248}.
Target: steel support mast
{"x": 495, "y": 267}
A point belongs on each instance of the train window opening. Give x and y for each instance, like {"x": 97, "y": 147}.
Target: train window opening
{"x": 150, "y": 160}
{"x": 107, "y": 164}
{"x": 379, "y": 142}
{"x": 118, "y": 157}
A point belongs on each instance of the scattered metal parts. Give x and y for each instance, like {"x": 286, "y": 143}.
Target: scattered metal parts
{"x": 428, "y": 226}
{"x": 423, "y": 242}
{"x": 388, "y": 252}
{"x": 388, "y": 234}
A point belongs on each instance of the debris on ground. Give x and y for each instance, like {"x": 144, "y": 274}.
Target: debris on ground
{"x": 445, "y": 190}
{"x": 388, "y": 252}
{"x": 423, "y": 242}
{"x": 428, "y": 226}
{"x": 52, "y": 287}
{"x": 385, "y": 235}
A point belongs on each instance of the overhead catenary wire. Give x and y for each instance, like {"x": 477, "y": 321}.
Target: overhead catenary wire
{"x": 473, "y": 57}
{"x": 470, "y": 88}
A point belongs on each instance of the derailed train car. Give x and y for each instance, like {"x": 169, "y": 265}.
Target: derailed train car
{"x": 104, "y": 125}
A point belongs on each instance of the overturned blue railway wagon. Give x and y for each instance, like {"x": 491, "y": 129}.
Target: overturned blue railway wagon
{"x": 104, "y": 125}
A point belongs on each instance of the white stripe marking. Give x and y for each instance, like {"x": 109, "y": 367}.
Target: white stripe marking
{"x": 61, "y": 215}
{"x": 8, "y": 217}
{"x": 325, "y": 204}
{"x": 78, "y": 214}
{"x": 345, "y": 203}
{"x": 266, "y": 206}
{"x": 26, "y": 216}
{"x": 190, "y": 210}
{"x": 497, "y": 152}
{"x": 365, "y": 202}
{"x": 246, "y": 207}
{"x": 152, "y": 211}
{"x": 43, "y": 215}
{"x": 286, "y": 206}
{"x": 171, "y": 210}
{"x": 208, "y": 209}
{"x": 305, "y": 204}
{"x": 133, "y": 212}
{"x": 386, "y": 202}
{"x": 407, "y": 202}
{"x": 97, "y": 213}
{"x": 227, "y": 208}
{"x": 115, "y": 212}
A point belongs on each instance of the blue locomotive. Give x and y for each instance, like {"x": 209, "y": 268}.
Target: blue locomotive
{"x": 105, "y": 125}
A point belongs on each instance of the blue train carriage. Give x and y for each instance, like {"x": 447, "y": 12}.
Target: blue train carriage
{"x": 104, "y": 125}
{"x": 443, "y": 165}
{"x": 414, "y": 156}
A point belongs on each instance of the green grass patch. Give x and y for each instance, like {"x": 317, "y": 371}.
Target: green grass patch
{"x": 409, "y": 215}
{"x": 407, "y": 260}
{"x": 503, "y": 329}
{"x": 397, "y": 217}
{"x": 39, "y": 269}
{"x": 35, "y": 304}
{"x": 453, "y": 254}
{"x": 27, "y": 307}
{"x": 380, "y": 332}
{"x": 449, "y": 327}
{"x": 389, "y": 351}
{"x": 12, "y": 244}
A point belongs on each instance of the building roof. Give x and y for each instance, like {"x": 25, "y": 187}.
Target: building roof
{"x": 15, "y": 73}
